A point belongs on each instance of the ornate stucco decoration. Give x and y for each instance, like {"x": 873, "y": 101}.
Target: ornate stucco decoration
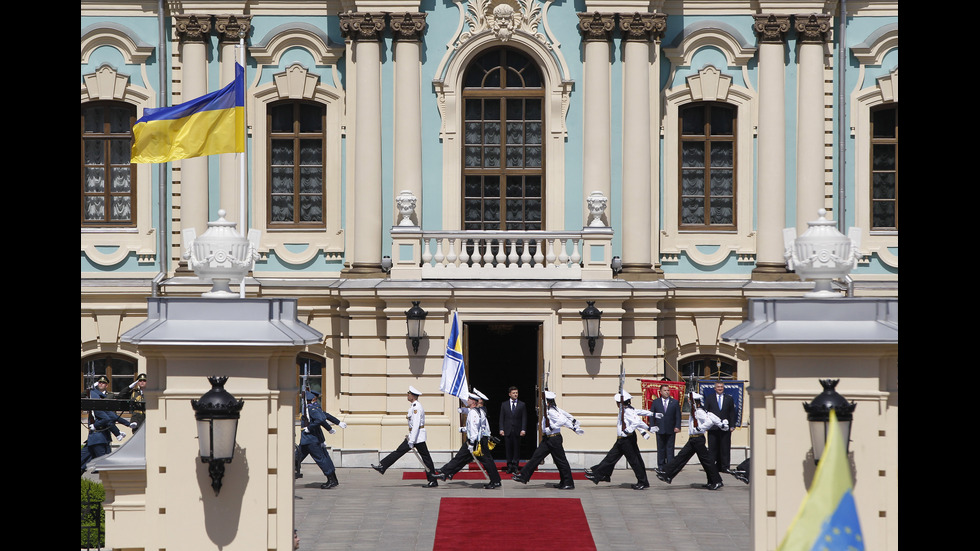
{"x": 408, "y": 26}
{"x": 192, "y": 28}
{"x": 362, "y": 25}
{"x": 596, "y": 26}
{"x": 643, "y": 27}
{"x": 231, "y": 27}
{"x": 771, "y": 27}
{"x": 813, "y": 28}
{"x": 503, "y": 18}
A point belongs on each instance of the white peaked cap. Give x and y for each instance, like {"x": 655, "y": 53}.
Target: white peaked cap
{"x": 549, "y": 395}
{"x": 473, "y": 396}
{"x": 697, "y": 396}
{"x": 480, "y": 394}
{"x": 414, "y": 390}
{"x": 626, "y": 396}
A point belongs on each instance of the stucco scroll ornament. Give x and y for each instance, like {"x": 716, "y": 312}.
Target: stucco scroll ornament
{"x": 406, "y": 202}
{"x": 221, "y": 255}
{"x": 503, "y": 18}
{"x": 822, "y": 254}
{"x": 597, "y": 206}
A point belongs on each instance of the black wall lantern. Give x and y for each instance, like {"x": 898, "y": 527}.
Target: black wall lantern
{"x": 590, "y": 316}
{"x": 415, "y": 316}
{"x": 217, "y": 414}
{"x": 818, "y": 414}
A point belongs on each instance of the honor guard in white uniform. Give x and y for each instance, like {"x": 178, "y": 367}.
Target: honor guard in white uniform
{"x": 551, "y": 443}
{"x": 699, "y": 423}
{"x": 473, "y": 429}
{"x": 415, "y": 440}
{"x": 628, "y": 421}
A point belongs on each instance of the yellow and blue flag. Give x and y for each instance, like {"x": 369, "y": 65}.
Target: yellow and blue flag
{"x": 208, "y": 125}
{"x": 453, "y": 371}
{"x": 827, "y": 519}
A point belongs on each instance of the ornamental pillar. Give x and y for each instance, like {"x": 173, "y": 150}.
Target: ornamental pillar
{"x": 770, "y": 265}
{"x": 810, "y": 127}
{"x": 596, "y": 32}
{"x": 640, "y": 119}
{"x": 407, "y": 28}
{"x": 364, "y": 31}
{"x": 193, "y": 35}
{"x": 230, "y": 29}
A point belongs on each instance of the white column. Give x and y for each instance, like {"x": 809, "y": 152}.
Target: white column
{"x": 810, "y": 127}
{"x": 229, "y": 190}
{"x": 193, "y": 31}
{"x": 408, "y": 108}
{"x": 364, "y": 30}
{"x": 596, "y": 31}
{"x": 772, "y": 146}
{"x": 637, "y": 144}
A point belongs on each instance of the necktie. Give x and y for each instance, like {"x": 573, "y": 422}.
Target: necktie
{"x": 513, "y": 405}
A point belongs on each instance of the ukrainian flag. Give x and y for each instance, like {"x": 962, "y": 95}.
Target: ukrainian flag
{"x": 208, "y": 125}
{"x": 827, "y": 519}
{"x": 453, "y": 371}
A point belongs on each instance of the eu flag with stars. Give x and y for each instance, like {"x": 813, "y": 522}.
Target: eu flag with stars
{"x": 827, "y": 519}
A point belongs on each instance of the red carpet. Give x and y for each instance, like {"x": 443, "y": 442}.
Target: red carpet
{"x": 531, "y": 524}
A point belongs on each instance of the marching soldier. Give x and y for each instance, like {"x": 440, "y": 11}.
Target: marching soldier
{"x": 699, "y": 423}
{"x": 414, "y": 440}
{"x": 473, "y": 428}
{"x": 101, "y": 426}
{"x": 551, "y": 442}
{"x": 312, "y": 441}
{"x": 134, "y": 392}
{"x": 627, "y": 423}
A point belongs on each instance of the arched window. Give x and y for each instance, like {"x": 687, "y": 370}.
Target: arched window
{"x": 884, "y": 167}
{"x": 120, "y": 370}
{"x": 108, "y": 176}
{"x": 297, "y": 164}
{"x": 703, "y": 367}
{"x": 707, "y": 166}
{"x": 503, "y": 147}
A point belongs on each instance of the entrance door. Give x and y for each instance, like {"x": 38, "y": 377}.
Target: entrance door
{"x": 501, "y": 355}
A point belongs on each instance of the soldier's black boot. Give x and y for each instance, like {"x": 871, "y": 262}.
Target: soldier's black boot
{"x": 331, "y": 481}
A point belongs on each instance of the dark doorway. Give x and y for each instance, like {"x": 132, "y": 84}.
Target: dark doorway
{"x": 501, "y": 355}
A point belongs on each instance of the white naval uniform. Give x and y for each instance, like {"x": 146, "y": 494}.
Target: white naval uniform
{"x": 416, "y": 423}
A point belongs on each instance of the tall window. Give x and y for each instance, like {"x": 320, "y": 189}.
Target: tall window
{"x": 707, "y": 152}
{"x": 297, "y": 164}
{"x": 503, "y": 179}
{"x": 108, "y": 190}
{"x": 884, "y": 167}
{"x": 120, "y": 371}
{"x": 309, "y": 374}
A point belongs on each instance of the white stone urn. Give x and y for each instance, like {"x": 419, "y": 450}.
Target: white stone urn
{"x": 597, "y": 205}
{"x": 822, "y": 254}
{"x": 221, "y": 255}
{"x": 406, "y": 207}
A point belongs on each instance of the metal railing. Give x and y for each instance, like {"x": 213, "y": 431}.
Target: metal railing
{"x": 93, "y": 519}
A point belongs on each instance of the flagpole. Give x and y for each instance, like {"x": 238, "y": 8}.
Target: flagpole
{"x": 242, "y": 200}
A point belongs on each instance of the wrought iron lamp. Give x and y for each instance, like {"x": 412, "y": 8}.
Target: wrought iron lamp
{"x": 818, "y": 414}
{"x": 217, "y": 414}
{"x": 415, "y": 317}
{"x": 590, "y": 317}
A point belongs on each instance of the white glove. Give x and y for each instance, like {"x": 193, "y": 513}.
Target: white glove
{"x": 91, "y": 427}
{"x": 121, "y": 436}
{"x": 332, "y": 430}
{"x": 411, "y": 445}
{"x": 579, "y": 431}
{"x": 462, "y": 429}
{"x": 658, "y": 415}
{"x": 306, "y": 430}
{"x": 645, "y": 435}
{"x": 343, "y": 425}
{"x": 654, "y": 429}
{"x": 132, "y": 426}
{"x": 724, "y": 424}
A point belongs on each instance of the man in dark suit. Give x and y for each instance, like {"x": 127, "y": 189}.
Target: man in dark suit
{"x": 513, "y": 422}
{"x": 667, "y": 419}
{"x": 720, "y": 439}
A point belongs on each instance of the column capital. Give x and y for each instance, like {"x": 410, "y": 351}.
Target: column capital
{"x": 771, "y": 27}
{"x": 642, "y": 27}
{"x": 408, "y": 26}
{"x": 813, "y": 27}
{"x": 231, "y": 27}
{"x": 596, "y": 26}
{"x": 192, "y": 28}
{"x": 362, "y": 25}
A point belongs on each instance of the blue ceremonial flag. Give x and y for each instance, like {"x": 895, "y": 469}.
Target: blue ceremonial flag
{"x": 453, "y": 371}
{"x": 211, "y": 124}
{"x": 827, "y": 519}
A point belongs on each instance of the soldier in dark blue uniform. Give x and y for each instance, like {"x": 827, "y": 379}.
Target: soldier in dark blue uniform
{"x": 311, "y": 441}
{"x": 134, "y": 392}
{"x": 100, "y": 425}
